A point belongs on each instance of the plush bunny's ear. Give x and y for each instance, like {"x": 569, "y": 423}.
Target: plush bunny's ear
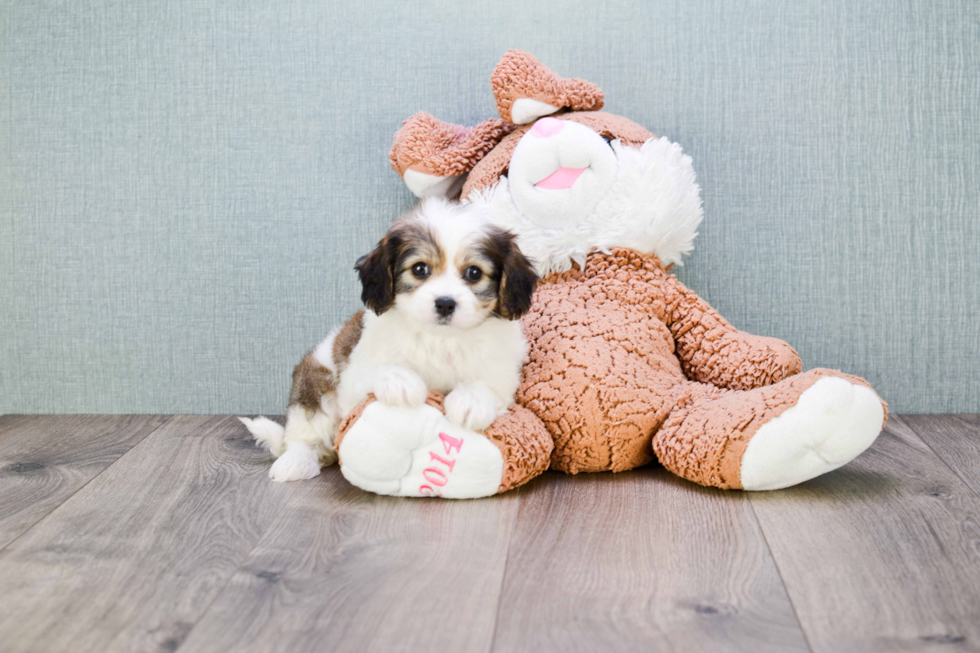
{"x": 526, "y": 90}
{"x": 433, "y": 156}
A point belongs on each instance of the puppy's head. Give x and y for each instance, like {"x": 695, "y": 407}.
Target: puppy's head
{"x": 446, "y": 264}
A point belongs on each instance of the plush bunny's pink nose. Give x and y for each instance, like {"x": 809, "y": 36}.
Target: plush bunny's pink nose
{"x": 547, "y": 127}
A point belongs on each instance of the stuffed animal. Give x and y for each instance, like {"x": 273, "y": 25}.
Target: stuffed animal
{"x": 626, "y": 364}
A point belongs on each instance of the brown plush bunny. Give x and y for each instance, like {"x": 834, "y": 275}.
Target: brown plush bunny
{"x": 626, "y": 365}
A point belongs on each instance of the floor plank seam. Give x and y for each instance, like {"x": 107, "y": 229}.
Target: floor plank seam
{"x": 503, "y": 574}
{"x": 237, "y": 567}
{"x": 925, "y": 441}
{"x": 779, "y": 572}
{"x": 85, "y": 484}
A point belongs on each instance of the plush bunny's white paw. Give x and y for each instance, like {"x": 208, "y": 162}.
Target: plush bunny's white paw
{"x": 298, "y": 463}
{"x": 417, "y": 452}
{"x": 472, "y": 406}
{"x": 832, "y": 422}
{"x": 399, "y": 386}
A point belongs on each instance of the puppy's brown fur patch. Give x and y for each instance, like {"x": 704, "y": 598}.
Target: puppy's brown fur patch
{"x": 418, "y": 245}
{"x": 311, "y": 380}
{"x": 485, "y": 290}
{"x": 386, "y": 271}
{"x": 516, "y": 277}
{"x": 346, "y": 340}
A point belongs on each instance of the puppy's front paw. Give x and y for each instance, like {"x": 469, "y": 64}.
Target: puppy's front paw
{"x": 472, "y": 406}
{"x": 400, "y": 387}
{"x": 298, "y": 463}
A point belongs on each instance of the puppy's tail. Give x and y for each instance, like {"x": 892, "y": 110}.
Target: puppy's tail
{"x": 267, "y": 433}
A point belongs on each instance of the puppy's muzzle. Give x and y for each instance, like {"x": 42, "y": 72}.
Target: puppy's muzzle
{"x": 445, "y": 306}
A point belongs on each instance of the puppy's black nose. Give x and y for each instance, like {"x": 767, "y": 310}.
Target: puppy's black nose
{"x": 445, "y": 306}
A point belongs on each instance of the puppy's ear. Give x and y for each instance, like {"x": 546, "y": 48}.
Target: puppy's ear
{"x": 517, "y": 276}
{"x": 377, "y": 273}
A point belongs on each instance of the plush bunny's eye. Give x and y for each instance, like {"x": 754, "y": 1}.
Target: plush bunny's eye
{"x": 421, "y": 270}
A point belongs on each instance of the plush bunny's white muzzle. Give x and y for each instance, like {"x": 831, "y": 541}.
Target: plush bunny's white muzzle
{"x": 559, "y": 172}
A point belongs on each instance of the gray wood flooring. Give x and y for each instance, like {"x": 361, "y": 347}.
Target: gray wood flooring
{"x": 156, "y": 533}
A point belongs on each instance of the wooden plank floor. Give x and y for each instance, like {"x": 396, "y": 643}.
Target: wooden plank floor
{"x": 133, "y": 533}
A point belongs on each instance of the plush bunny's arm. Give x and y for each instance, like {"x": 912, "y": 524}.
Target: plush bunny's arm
{"x": 713, "y": 351}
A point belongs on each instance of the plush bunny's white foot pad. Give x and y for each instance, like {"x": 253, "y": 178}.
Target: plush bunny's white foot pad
{"x": 417, "y": 452}
{"x": 831, "y": 424}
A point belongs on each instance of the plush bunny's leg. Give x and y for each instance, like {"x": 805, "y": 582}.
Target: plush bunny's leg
{"x": 417, "y": 452}
{"x": 771, "y": 437}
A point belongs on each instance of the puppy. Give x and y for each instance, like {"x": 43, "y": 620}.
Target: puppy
{"x": 443, "y": 291}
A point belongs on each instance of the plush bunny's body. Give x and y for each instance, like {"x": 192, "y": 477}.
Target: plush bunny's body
{"x": 626, "y": 365}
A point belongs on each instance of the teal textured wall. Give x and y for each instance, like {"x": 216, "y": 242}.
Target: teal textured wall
{"x": 185, "y": 184}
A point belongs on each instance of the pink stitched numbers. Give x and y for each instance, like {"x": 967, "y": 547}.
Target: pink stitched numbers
{"x": 437, "y": 474}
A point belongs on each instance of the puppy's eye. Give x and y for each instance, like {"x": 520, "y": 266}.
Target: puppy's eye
{"x": 421, "y": 270}
{"x": 472, "y": 274}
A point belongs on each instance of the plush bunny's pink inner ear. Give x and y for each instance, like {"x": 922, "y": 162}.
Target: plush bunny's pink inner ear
{"x": 433, "y": 156}
{"x": 526, "y": 89}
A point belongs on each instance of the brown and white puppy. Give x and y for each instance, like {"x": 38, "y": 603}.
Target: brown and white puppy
{"x": 444, "y": 290}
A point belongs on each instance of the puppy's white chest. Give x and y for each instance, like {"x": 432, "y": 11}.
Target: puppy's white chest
{"x": 443, "y": 358}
